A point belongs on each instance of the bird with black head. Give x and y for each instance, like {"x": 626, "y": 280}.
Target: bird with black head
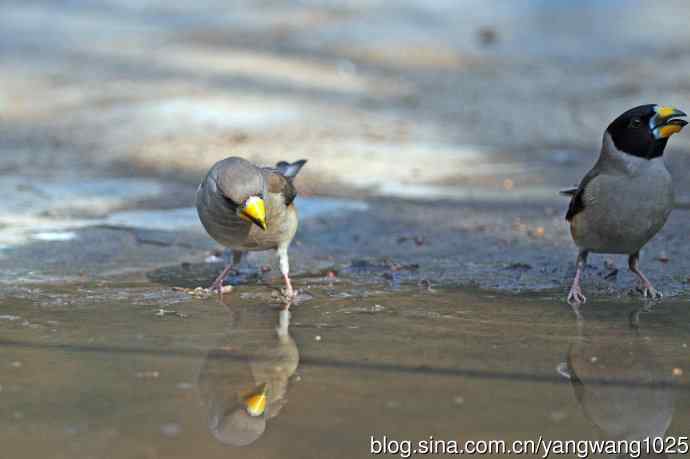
{"x": 626, "y": 198}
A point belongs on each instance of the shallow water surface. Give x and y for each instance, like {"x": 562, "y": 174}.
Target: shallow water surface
{"x": 142, "y": 371}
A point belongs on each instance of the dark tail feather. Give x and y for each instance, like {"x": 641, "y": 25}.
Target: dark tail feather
{"x": 290, "y": 170}
{"x": 569, "y": 191}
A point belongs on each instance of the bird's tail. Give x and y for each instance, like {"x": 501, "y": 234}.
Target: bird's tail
{"x": 290, "y": 170}
{"x": 569, "y": 191}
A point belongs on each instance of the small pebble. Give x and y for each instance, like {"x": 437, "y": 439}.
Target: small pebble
{"x": 537, "y": 232}
{"x": 558, "y": 416}
{"x": 184, "y": 386}
{"x": 171, "y": 430}
{"x": 16, "y": 364}
{"x": 458, "y": 400}
{"x": 165, "y": 312}
{"x": 147, "y": 374}
{"x": 487, "y": 35}
{"x": 594, "y": 359}
{"x": 317, "y": 337}
{"x": 425, "y": 284}
{"x": 677, "y": 372}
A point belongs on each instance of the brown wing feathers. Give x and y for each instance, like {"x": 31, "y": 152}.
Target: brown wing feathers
{"x": 280, "y": 179}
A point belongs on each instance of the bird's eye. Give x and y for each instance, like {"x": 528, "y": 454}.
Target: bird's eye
{"x": 634, "y": 123}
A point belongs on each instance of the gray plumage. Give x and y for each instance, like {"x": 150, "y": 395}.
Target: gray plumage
{"x": 228, "y": 184}
{"x": 251, "y": 354}
{"x": 639, "y": 403}
{"x": 625, "y": 201}
{"x": 628, "y": 195}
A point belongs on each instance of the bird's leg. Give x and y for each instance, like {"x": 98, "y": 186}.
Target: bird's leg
{"x": 283, "y": 323}
{"x": 285, "y": 270}
{"x": 647, "y": 289}
{"x": 236, "y": 259}
{"x": 218, "y": 283}
{"x": 575, "y": 296}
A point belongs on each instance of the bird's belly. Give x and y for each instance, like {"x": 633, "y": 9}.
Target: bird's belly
{"x": 622, "y": 215}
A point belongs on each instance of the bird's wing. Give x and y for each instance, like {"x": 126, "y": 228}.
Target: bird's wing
{"x": 278, "y": 183}
{"x": 577, "y": 204}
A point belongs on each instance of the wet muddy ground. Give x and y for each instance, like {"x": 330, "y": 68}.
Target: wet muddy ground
{"x": 135, "y": 370}
{"x": 432, "y": 257}
{"x": 450, "y": 132}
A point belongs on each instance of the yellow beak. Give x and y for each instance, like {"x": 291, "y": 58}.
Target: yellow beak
{"x": 666, "y": 122}
{"x": 254, "y": 210}
{"x": 256, "y": 403}
{"x": 666, "y": 111}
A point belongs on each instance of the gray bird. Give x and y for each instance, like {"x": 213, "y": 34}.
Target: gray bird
{"x": 619, "y": 380}
{"x": 244, "y": 381}
{"x": 628, "y": 195}
{"x": 249, "y": 208}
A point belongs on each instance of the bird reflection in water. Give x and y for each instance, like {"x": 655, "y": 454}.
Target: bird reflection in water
{"x": 619, "y": 381}
{"x": 244, "y": 381}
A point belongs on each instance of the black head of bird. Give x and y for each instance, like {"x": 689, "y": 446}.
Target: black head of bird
{"x": 644, "y": 131}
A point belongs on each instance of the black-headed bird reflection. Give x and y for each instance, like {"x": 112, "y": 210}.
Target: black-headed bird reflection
{"x": 244, "y": 381}
{"x": 619, "y": 381}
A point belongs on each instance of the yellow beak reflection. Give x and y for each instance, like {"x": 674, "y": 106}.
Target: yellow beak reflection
{"x": 666, "y": 122}
{"x": 256, "y": 403}
{"x": 254, "y": 210}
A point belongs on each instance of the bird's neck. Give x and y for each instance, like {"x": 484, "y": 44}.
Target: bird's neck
{"x": 614, "y": 160}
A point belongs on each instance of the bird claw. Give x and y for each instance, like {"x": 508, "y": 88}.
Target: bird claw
{"x": 216, "y": 287}
{"x": 649, "y": 292}
{"x": 288, "y": 292}
{"x": 576, "y": 297}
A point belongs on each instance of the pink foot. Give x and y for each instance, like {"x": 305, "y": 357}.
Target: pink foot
{"x": 576, "y": 296}
{"x": 217, "y": 284}
{"x": 289, "y": 291}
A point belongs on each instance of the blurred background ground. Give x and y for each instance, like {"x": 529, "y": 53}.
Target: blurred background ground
{"x": 440, "y": 132}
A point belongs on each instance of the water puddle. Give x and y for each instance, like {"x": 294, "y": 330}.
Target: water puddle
{"x": 51, "y": 209}
{"x": 100, "y": 372}
{"x": 187, "y": 218}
